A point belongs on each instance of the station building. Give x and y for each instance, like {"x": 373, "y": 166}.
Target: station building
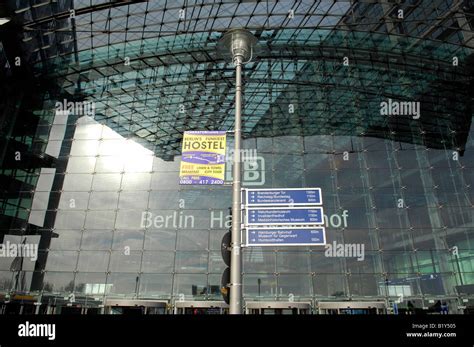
{"x": 371, "y": 101}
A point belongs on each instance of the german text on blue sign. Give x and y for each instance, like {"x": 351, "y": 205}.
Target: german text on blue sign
{"x": 286, "y": 196}
{"x": 286, "y": 236}
{"x": 284, "y": 216}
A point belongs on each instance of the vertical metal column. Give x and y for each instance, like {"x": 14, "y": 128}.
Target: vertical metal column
{"x": 237, "y": 45}
{"x": 236, "y": 259}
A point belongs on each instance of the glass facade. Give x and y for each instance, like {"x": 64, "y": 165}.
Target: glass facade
{"x": 98, "y": 189}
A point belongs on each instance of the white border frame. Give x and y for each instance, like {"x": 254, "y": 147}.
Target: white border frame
{"x": 286, "y": 244}
{"x": 247, "y": 190}
{"x": 247, "y": 224}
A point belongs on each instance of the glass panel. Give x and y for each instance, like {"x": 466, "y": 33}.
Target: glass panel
{"x": 108, "y": 164}
{"x": 93, "y": 284}
{"x": 158, "y": 262}
{"x": 329, "y": 285}
{"x": 66, "y": 240}
{"x": 156, "y": 285}
{"x": 294, "y": 285}
{"x": 136, "y": 181}
{"x": 61, "y": 261}
{"x": 81, "y": 165}
{"x": 70, "y": 219}
{"x": 85, "y": 148}
{"x": 58, "y": 282}
{"x": 257, "y": 260}
{"x": 160, "y": 239}
{"x": 103, "y": 201}
{"x": 191, "y": 262}
{"x": 133, "y": 200}
{"x": 100, "y": 219}
{"x": 96, "y": 239}
{"x": 364, "y": 284}
{"x": 106, "y": 182}
{"x": 216, "y": 264}
{"x": 77, "y": 182}
{"x": 128, "y": 240}
{"x": 264, "y": 285}
{"x": 93, "y": 261}
{"x": 193, "y": 239}
{"x": 191, "y": 286}
{"x": 123, "y": 284}
{"x": 74, "y": 200}
{"x": 296, "y": 262}
{"x": 125, "y": 261}
{"x": 131, "y": 219}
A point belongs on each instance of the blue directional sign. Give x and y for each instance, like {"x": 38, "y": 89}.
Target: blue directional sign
{"x": 281, "y": 197}
{"x": 284, "y": 216}
{"x": 295, "y": 236}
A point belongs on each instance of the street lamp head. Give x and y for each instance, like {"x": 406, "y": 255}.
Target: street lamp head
{"x": 237, "y": 44}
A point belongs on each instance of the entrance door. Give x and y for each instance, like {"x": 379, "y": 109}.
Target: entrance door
{"x": 358, "y": 311}
{"x": 202, "y": 310}
{"x": 351, "y": 307}
{"x": 201, "y": 307}
{"x": 277, "y": 307}
{"x": 135, "y": 307}
{"x": 69, "y": 310}
{"x": 128, "y": 310}
{"x": 16, "y": 308}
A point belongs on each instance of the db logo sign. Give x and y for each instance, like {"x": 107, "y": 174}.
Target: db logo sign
{"x": 253, "y": 172}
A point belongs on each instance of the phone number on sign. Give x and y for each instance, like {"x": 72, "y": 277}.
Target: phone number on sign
{"x": 203, "y": 181}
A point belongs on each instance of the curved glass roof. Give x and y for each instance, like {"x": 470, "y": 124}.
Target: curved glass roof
{"x": 152, "y": 69}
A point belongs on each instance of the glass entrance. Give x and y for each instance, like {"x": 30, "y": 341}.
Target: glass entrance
{"x": 351, "y": 307}
{"x": 16, "y": 308}
{"x": 277, "y": 311}
{"x": 358, "y": 311}
{"x": 135, "y": 307}
{"x": 201, "y": 307}
{"x": 19, "y": 304}
{"x": 278, "y": 308}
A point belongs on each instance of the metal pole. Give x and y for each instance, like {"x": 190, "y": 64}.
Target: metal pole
{"x": 235, "y": 302}
{"x": 237, "y": 44}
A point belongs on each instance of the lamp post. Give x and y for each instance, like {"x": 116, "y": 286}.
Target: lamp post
{"x": 237, "y": 45}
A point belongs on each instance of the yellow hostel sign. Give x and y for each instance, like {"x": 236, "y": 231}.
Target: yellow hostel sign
{"x": 203, "y": 157}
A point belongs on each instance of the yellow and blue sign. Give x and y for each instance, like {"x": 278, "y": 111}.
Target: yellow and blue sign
{"x": 203, "y": 157}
